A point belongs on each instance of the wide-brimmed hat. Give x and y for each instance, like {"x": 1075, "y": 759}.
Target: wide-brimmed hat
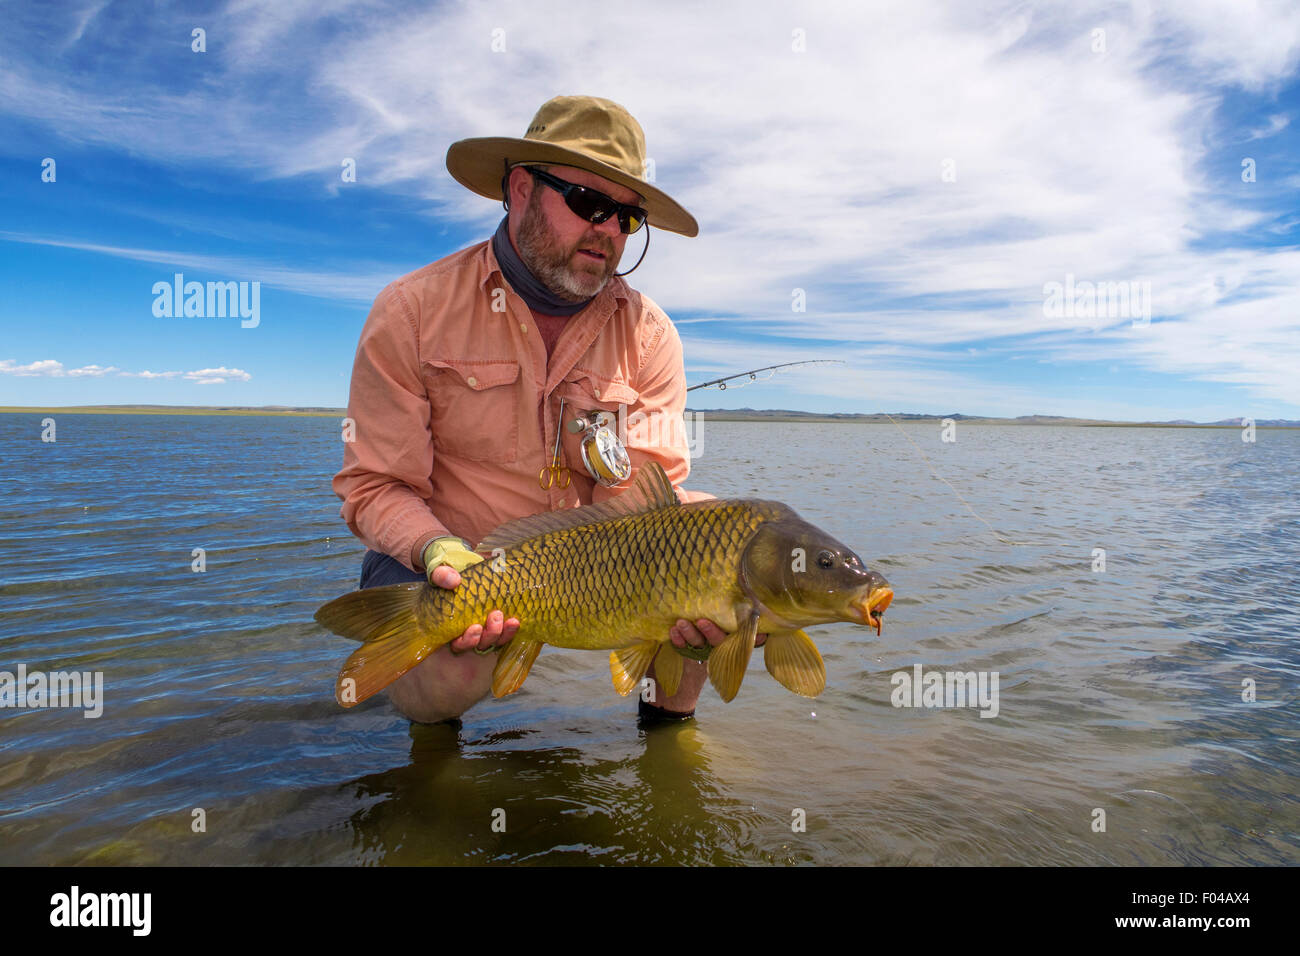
{"x": 583, "y": 131}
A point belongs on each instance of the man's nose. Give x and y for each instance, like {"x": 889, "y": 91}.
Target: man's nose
{"x": 610, "y": 227}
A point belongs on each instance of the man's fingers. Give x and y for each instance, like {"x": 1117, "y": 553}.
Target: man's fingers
{"x": 700, "y": 633}
{"x": 497, "y": 631}
{"x": 714, "y": 634}
{"x": 445, "y": 576}
{"x": 494, "y": 632}
{"x": 689, "y": 634}
{"x": 467, "y": 641}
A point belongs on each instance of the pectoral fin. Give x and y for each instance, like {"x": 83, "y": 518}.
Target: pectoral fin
{"x": 793, "y": 659}
{"x": 729, "y": 659}
{"x": 628, "y": 666}
{"x": 668, "y": 669}
{"x": 514, "y": 663}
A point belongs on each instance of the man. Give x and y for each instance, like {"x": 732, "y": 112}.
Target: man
{"x": 462, "y": 367}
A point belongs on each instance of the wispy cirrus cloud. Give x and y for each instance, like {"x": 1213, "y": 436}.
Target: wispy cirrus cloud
{"x": 1276, "y": 123}
{"x": 919, "y": 170}
{"x": 324, "y": 284}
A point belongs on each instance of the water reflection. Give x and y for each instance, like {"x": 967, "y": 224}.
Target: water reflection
{"x": 507, "y": 797}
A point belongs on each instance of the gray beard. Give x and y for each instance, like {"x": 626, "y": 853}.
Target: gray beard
{"x": 550, "y": 264}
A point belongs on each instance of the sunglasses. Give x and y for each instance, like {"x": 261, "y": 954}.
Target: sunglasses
{"x": 592, "y": 205}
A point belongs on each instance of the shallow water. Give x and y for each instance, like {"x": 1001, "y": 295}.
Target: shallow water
{"x": 1119, "y": 690}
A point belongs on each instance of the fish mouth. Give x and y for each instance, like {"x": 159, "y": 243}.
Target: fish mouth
{"x": 872, "y": 607}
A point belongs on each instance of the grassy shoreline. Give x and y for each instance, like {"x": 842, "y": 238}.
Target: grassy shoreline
{"x": 168, "y": 410}
{"x": 718, "y": 415}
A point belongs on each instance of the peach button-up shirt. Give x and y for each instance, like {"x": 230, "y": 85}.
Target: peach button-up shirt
{"x": 455, "y": 404}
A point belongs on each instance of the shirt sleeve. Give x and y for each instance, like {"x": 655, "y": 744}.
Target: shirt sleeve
{"x": 655, "y": 429}
{"x": 385, "y": 480}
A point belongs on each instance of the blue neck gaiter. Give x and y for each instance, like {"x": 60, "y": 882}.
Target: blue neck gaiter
{"x": 521, "y": 279}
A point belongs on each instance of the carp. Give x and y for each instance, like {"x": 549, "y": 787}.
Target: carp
{"x": 616, "y": 576}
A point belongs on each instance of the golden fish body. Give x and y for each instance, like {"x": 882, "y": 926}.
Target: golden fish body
{"x": 617, "y": 576}
{"x": 605, "y": 585}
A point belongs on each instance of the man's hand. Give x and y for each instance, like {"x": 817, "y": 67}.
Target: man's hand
{"x": 702, "y": 632}
{"x": 451, "y": 551}
{"x": 497, "y": 632}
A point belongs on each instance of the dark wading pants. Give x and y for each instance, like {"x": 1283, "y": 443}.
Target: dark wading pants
{"x": 379, "y": 569}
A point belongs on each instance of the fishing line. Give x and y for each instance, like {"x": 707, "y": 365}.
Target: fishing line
{"x": 721, "y": 384}
{"x": 949, "y": 484}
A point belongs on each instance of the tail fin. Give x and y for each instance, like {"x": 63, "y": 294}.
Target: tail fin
{"x": 371, "y": 614}
{"x": 393, "y": 642}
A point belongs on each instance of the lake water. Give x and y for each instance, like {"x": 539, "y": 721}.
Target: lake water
{"x": 1121, "y": 735}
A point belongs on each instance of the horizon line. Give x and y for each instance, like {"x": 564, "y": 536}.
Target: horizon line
{"x": 738, "y": 414}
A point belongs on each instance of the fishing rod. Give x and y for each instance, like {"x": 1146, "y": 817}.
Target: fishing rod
{"x": 753, "y": 376}
{"x": 753, "y": 373}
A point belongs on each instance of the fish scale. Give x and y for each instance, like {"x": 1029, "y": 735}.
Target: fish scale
{"x": 604, "y": 586}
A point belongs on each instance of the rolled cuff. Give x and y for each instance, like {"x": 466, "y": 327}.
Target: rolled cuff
{"x": 405, "y": 530}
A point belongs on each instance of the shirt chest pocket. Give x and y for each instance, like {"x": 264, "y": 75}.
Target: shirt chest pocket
{"x": 586, "y": 391}
{"x": 474, "y": 408}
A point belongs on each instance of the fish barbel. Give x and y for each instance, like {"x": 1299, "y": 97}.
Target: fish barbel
{"x": 617, "y": 576}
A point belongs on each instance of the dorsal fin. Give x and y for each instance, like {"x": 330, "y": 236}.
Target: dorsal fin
{"x": 651, "y": 491}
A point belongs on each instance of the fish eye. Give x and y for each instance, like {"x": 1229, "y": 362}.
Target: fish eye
{"x": 826, "y": 560}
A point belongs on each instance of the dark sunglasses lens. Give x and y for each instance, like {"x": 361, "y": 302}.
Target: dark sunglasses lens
{"x": 597, "y": 207}
{"x": 594, "y": 207}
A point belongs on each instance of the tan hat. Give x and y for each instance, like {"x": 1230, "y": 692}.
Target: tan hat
{"x": 583, "y": 131}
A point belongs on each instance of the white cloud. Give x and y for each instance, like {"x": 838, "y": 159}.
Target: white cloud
{"x": 217, "y": 376}
{"x": 47, "y": 367}
{"x": 50, "y": 368}
{"x": 83, "y": 20}
{"x": 1276, "y": 123}
{"x": 818, "y": 170}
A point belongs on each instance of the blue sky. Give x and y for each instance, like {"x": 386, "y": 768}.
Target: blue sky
{"x": 922, "y": 171}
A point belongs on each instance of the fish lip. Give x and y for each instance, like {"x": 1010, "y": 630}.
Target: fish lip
{"x": 872, "y": 608}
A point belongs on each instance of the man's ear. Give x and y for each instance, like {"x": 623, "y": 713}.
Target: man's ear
{"x": 509, "y": 181}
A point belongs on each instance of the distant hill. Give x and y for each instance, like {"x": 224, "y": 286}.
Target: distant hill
{"x": 718, "y": 414}
{"x": 791, "y": 415}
